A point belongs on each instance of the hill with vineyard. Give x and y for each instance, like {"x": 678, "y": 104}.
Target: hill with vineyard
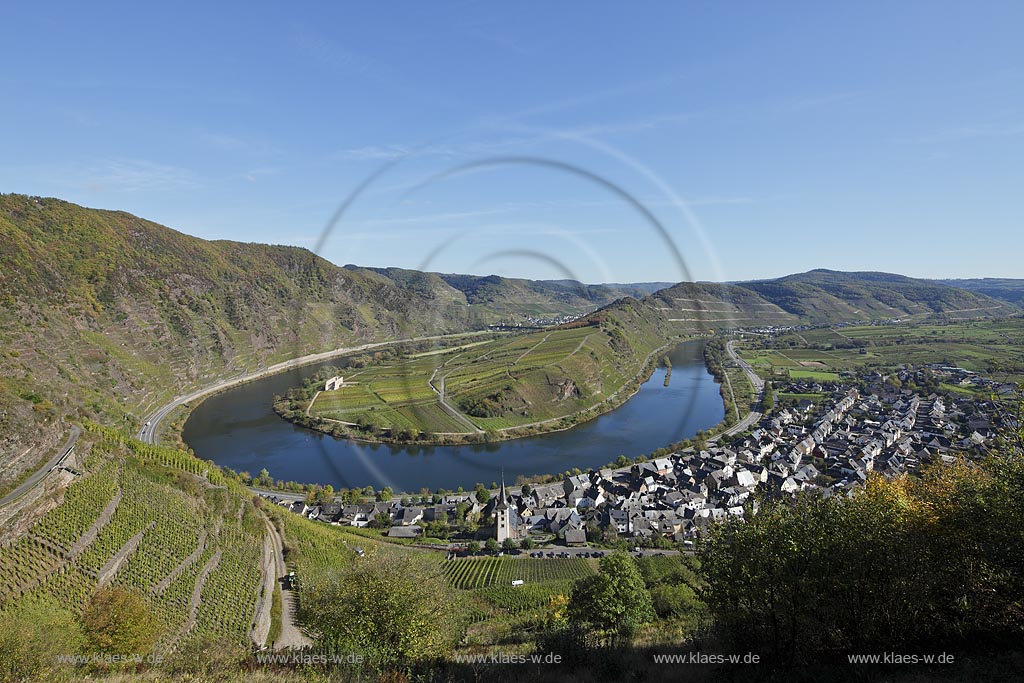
{"x": 105, "y": 315}
{"x": 148, "y": 519}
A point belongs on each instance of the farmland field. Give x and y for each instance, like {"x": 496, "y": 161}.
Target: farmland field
{"x": 488, "y": 386}
{"x": 992, "y": 347}
{"x": 472, "y": 573}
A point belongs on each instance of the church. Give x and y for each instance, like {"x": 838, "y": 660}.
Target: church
{"x": 507, "y": 522}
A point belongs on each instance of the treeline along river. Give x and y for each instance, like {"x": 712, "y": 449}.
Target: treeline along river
{"x": 239, "y": 429}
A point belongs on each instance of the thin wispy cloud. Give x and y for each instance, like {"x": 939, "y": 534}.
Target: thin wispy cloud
{"x": 331, "y": 54}
{"x": 970, "y": 132}
{"x": 129, "y": 175}
{"x": 233, "y": 143}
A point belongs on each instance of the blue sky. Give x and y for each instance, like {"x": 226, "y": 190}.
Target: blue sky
{"x": 765, "y": 138}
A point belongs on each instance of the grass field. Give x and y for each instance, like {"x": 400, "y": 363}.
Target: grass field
{"x": 992, "y": 347}
{"x": 490, "y": 385}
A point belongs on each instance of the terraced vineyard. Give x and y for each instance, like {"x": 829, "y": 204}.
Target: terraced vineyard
{"x": 472, "y": 573}
{"x": 494, "y": 386}
{"x": 148, "y": 519}
{"x": 525, "y": 598}
{"x": 311, "y": 545}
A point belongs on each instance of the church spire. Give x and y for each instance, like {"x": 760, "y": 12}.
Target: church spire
{"x": 502, "y": 503}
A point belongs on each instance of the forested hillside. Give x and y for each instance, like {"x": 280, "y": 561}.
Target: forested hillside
{"x": 107, "y": 315}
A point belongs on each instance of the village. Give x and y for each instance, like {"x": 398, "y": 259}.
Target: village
{"x": 831, "y": 446}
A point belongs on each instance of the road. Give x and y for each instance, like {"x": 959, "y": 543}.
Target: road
{"x": 38, "y": 475}
{"x": 150, "y": 431}
{"x": 447, "y": 407}
{"x": 753, "y": 416}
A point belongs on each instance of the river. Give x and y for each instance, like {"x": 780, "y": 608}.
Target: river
{"x": 239, "y": 429}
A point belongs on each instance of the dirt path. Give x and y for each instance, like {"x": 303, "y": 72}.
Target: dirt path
{"x": 527, "y": 351}
{"x": 185, "y": 564}
{"x": 109, "y": 570}
{"x": 442, "y": 401}
{"x": 265, "y": 598}
{"x": 291, "y": 636}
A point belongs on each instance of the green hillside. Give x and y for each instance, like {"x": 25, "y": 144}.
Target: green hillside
{"x": 145, "y": 519}
{"x": 1005, "y": 289}
{"x": 505, "y": 387}
{"x": 106, "y": 315}
{"x": 824, "y": 296}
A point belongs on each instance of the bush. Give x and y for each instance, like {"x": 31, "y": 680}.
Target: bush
{"x": 396, "y": 610}
{"x": 33, "y": 633}
{"x": 119, "y": 622}
{"x": 615, "y": 602}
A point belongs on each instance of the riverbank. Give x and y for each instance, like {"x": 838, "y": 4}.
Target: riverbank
{"x": 290, "y": 409}
{"x": 151, "y": 430}
{"x": 240, "y": 430}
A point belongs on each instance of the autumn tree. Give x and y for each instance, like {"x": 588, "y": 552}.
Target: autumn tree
{"x": 394, "y": 609}
{"x": 119, "y": 622}
{"x": 614, "y": 602}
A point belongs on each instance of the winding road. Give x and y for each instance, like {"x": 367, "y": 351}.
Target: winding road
{"x": 150, "y": 431}
{"x": 38, "y": 475}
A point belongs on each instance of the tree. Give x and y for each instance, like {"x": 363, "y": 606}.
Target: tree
{"x": 263, "y": 478}
{"x": 436, "y": 529}
{"x": 526, "y": 490}
{"x": 327, "y": 494}
{"x": 394, "y": 609}
{"x": 526, "y": 543}
{"x": 385, "y": 494}
{"x": 482, "y": 494}
{"x": 615, "y": 602}
{"x": 473, "y": 547}
{"x": 492, "y": 545}
{"x": 118, "y": 621}
{"x": 509, "y": 544}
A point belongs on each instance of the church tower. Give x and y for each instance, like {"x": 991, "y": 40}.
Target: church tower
{"x": 502, "y": 514}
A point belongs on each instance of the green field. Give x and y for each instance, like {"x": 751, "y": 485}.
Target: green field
{"x": 490, "y": 386}
{"x": 992, "y": 347}
{"x": 486, "y": 572}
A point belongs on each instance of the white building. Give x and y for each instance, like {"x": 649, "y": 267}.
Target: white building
{"x": 334, "y": 383}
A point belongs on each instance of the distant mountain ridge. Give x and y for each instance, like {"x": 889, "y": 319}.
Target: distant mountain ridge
{"x": 823, "y": 296}
{"x": 511, "y": 295}
{"x": 1005, "y": 289}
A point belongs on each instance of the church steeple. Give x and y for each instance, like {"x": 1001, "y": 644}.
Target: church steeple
{"x": 502, "y": 503}
{"x": 502, "y": 514}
